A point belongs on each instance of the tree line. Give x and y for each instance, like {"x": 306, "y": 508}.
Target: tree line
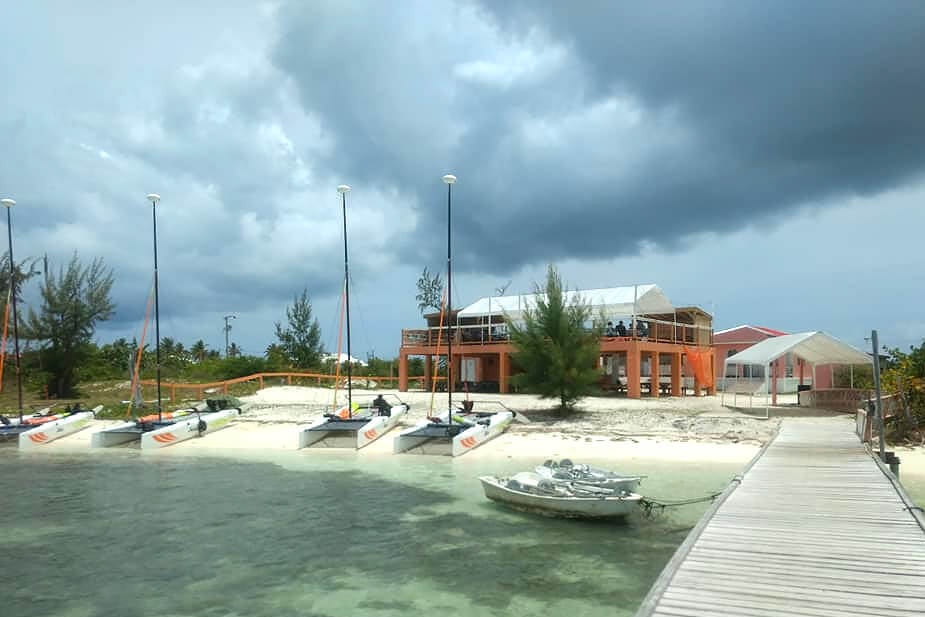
{"x": 58, "y": 351}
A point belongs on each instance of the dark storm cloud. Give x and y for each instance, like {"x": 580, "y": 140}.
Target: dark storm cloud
{"x": 650, "y": 121}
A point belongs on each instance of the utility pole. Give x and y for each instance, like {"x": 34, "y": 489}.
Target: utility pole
{"x": 228, "y": 333}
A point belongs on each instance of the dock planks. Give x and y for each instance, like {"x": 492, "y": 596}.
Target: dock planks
{"x": 815, "y": 527}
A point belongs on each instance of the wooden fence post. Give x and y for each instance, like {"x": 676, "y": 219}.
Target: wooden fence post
{"x": 288, "y": 380}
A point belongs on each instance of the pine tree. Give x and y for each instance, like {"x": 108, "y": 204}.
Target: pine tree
{"x": 557, "y": 355}
{"x": 301, "y": 339}
{"x": 430, "y": 291}
{"x": 73, "y": 302}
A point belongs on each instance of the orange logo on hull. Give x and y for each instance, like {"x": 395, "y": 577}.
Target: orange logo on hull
{"x": 164, "y": 438}
{"x": 370, "y": 434}
{"x": 468, "y": 442}
{"x": 39, "y": 438}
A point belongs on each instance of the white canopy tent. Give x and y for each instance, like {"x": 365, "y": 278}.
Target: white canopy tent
{"x": 613, "y": 302}
{"x": 814, "y": 348}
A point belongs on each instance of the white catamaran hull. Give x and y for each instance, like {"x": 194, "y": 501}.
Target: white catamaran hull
{"x": 111, "y": 437}
{"x": 466, "y": 440}
{"x": 31, "y": 417}
{"x": 568, "y": 507}
{"x": 187, "y": 429}
{"x": 377, "y": 426}
{"x": 56, "y": 429}
{"x": 122, "y": 433}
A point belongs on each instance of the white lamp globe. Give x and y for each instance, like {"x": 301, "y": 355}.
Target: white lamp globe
{"x": 449, "y": 179}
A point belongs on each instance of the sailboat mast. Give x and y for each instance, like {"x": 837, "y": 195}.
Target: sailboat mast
{"x": 449, "y": 179}
{"x": 343, "y": 189}
{"x": 154, "y": 198}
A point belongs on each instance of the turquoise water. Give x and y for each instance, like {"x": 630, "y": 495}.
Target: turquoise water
{"x": 315, "y": 533}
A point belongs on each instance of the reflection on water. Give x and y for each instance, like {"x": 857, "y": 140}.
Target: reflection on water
{"x": 313, "y": 533}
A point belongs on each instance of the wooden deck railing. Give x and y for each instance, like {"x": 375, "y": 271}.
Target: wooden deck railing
{"x": 658, "y": 331}
{"x": 317, "y": 378}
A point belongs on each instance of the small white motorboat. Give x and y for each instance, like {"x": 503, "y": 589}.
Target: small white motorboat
{"x": 65, "y": 424}
{"x": 356, "y": 429}
{"x": 567, "y": 471}
{"x": 531, "y": 492}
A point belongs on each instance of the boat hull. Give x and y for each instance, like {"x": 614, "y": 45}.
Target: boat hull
{"x": 130, "y": 430}
{"x": 412, "y": 439}
{"x": 56, "y": 429}
{"x": 314, "y": 435}
{"x": 565, "y": 507}
{"x": 115, "y": 435}
{"x": 186, "y": 429}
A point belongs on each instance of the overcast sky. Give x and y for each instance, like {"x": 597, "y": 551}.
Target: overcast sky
{"x": 763, "y": 160}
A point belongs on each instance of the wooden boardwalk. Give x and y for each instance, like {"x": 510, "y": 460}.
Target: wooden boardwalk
{"x": 815, "y": 527}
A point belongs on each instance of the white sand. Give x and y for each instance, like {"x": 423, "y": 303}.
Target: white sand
{"x": 603, "y": 428}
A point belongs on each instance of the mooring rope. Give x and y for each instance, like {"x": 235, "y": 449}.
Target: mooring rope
{"x": 653, "y": 505}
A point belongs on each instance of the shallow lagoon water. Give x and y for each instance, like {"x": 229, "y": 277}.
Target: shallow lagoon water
{"x": 317, "y": 533}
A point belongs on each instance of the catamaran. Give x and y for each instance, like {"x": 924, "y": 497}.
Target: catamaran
{"x": 348, "y": 426}
{"x": 454, "y": 432}
{"x": 353, "y": 430}
{"x": 162, "y": 429}
{"x": 58, "y": 426}
{"x": 188, "y": 427}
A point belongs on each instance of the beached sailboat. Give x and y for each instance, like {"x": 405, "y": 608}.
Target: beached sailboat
{"x": 61, "y": 426}
{"x": 162, "y": 428}
{"x": 531, "y": 492}
{"x": 186, "y": 428}
{"x": 351, "y": 426}
{"x": 454, "y": 432}
{"x": 356, "y": 430}
{"x": 452, "y": 436}
{"x": 132, "y": 430}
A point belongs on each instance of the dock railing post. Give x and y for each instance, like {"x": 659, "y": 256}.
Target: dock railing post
{"x": 877, "y": 401}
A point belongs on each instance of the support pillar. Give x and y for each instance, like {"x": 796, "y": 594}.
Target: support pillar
{"x": 503, "y": 363}
{"x": 403, "y": 372}
{"x": 676, "y": 374}
{"x": 632, "y": 372}
{"x": 800, "y": 362}
{"x": 711, "y": 389}
{"x": 428, "y": 373}
{"x": 774, "y": 368}
{"x": 655, "y": 378}
{"x": 457, "y": 371}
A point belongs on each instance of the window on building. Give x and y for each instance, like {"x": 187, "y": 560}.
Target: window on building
{"x": 732, "y": 369}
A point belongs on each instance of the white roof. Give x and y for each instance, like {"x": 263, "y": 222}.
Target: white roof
{"x": 612, "y": 301}
{"x": 342, "y": 358}
{"x": 813, "y": 347}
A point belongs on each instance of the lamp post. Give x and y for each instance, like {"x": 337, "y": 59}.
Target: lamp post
{"x": 449, "y": 180}
{"x": 343, "y": 189}
{"x": 228, "y": 332}
{"x": 9, "y": 203}
{"x": 154, "y": 198}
